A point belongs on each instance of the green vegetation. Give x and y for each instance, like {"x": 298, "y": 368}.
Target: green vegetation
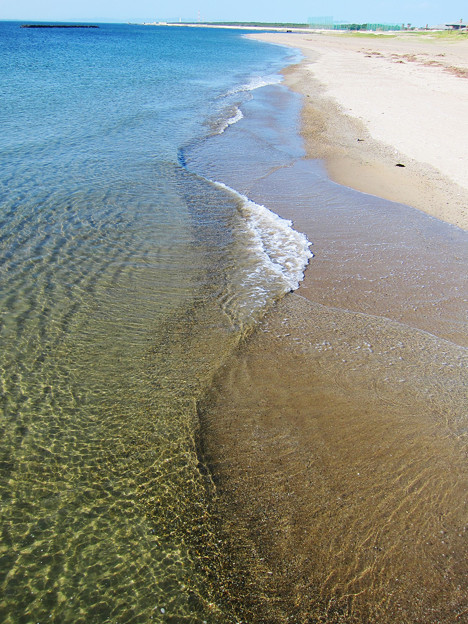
{"x": 451, "y": 35}
{"x": 431, "y": 35}
{"x": 363, "y": 33}
{"x": 367, "y": 27}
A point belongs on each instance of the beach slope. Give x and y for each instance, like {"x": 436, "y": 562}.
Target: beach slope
{"x": 389, "y": 114}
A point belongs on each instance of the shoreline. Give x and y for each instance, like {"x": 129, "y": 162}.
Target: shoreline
{"x": 372, "y": 104}
{"x": 279, "y": 29}
{"x": 333, "y": 434}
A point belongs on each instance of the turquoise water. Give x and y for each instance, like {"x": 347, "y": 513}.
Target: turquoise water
{"x": 125, "y": 280}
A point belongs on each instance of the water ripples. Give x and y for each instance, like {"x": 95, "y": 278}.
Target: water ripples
{"x": 102, "y": 495}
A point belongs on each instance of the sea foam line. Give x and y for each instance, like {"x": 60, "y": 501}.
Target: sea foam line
{"x": 256, "y": 82}
{"x": 280, "y": 250}
{"x": 238, "y": 115}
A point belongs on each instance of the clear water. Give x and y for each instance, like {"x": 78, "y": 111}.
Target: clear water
{"x": 125, "y": 279}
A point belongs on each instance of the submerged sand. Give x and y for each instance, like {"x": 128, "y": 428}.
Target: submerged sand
{"x": 336, "y": 433}
{"x": 338, "y": 447}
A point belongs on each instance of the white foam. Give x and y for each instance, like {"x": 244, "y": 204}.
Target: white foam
{"x": 232, "y": 120}
{"x": 256, "y": 82}
{"x": 277, "y": 256}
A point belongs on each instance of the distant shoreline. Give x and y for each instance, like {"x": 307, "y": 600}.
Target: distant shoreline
{"x": 233, "y": 27}
{"x": 305, "y": 29}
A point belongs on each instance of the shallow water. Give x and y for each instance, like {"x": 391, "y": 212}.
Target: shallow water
{"x": 337, "y": 442}
{"x": 99, "y": 463}
{"x": 121, "y": 294}
{"x": 371, "y": 255}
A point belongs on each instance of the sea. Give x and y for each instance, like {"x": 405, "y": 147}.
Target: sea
{"x": 128, "y": 274}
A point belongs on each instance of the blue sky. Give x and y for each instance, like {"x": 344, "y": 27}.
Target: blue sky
{"x": 417, "y": 12}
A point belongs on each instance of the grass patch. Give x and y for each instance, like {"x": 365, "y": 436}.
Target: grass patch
{"x": 450, "y": 35}
{"x": 445, "y": 35}
{"x": 435, "y": 35}
{"x": 365, "y": 34}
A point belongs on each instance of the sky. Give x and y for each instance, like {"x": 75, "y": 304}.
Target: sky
{"x": 416, "y": 12}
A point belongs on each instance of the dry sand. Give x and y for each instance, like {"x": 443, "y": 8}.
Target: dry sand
{"x": 375, "y": 102}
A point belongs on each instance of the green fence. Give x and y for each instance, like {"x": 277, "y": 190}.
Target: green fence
{"x": 328, "y": 23}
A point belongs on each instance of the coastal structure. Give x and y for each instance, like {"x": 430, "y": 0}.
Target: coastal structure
{"x": 457, "y": 26}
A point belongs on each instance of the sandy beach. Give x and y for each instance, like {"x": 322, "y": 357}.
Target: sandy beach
{"x": 375, "y": 102}
{"x": 336, "y": 433}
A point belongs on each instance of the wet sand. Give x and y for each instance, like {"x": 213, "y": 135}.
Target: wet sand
{"x": 337, "y": 438}
{"x": 336, "y": 433}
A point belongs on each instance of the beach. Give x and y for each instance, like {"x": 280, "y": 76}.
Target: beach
{"x": 336, "y": 433}
{"x": 375, "y": 102}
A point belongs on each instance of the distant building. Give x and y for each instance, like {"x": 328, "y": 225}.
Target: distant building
{"x": 458, "y": 26}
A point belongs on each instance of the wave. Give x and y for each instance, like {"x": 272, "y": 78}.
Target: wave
{"x": 256, "y": 82}
{"x": 269, "y": 263}
{"x": 237, "y": 116}
{"x": 234, "y": 113}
